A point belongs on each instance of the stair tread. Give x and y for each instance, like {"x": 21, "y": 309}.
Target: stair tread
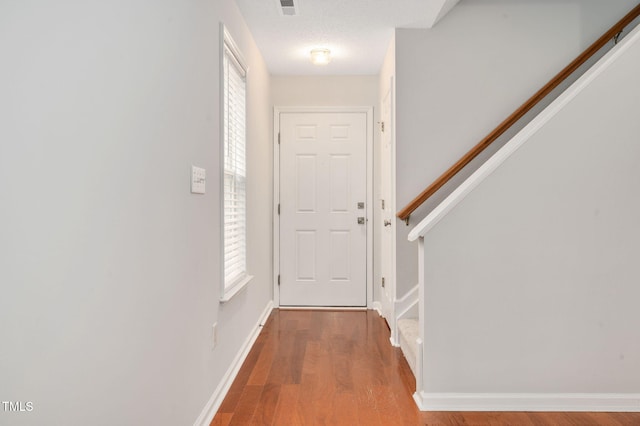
{"x": 408, "y": 326}
{"x": 408, "y": 330}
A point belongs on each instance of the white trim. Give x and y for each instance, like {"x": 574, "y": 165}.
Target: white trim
{"x": 523, "y": 136}
{"x": 388, "y": 303}
{"x": 323, "y": 308}
{"x": 403, "y": 305}
{"x": 209, "y": 410}
{"x": 276, "y": 206}
{"x": 227, "y": 42}
{"x": 369, "y": 206}
{"x": 225, "y": 37}
{"x": 594, "y": 402}
{"x": 400, "y": 309}
{"x": 377, "y": 306}
{"x": 232, "y": 291}
{"x": 276, "y": 193}
{"x": 393, "y": 201}
{"x": 420, "y": 362}
{"x": 419, "y": 371}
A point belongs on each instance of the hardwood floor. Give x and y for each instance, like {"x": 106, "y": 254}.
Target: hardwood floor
{"x": 338, "y": 368}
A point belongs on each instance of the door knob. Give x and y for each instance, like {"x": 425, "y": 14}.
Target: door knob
{"x": 361, "y": 220}
{"x": 387, "y": 223}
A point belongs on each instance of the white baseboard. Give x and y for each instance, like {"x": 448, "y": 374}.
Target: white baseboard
{"x": 377, "y": 306}
{"x": 528, "y": 402}
{"x": 209, "y": 411}
{"x": 322, "y": 308}
{"x": 394, "y": 342}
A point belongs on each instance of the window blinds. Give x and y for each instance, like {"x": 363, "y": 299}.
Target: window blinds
{"x": 235, "y": 223}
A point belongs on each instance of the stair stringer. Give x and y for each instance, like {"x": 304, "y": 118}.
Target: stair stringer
{"x": 406, "y": 307}
{"x": 517, "y": 401}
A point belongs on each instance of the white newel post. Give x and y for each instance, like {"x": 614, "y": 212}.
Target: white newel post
{"x": 420, "y": 341}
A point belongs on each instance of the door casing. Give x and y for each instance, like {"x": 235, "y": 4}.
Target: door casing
{"x": 276, "y": 190}
{"x": 387, "y": 247}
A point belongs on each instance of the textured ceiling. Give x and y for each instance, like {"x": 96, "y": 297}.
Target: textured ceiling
{"x": 357, "y": 32}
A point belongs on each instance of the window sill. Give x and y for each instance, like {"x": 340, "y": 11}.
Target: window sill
{"x": 237, "y": 288}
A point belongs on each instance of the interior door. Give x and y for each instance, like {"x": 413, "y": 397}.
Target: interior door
{"x": 387, "y": 210}
{"x": 323, "y": 223}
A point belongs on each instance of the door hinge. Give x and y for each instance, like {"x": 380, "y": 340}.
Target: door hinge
{"x": 278, "y": 279}
{"x": 278, "y": 209}
{"x": 382, "y": 125}
{"x": 382, "y": 282}
{"x": 278, "y": 138}
{"x": 382, "y": 204}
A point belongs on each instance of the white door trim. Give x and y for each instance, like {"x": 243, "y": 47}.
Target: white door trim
{"x": 276, "y": 190}
{"x": 391, "y": 315}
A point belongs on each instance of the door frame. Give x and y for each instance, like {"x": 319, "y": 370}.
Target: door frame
{"x": 390, "y": 307}
{"x": 276, "y": 190}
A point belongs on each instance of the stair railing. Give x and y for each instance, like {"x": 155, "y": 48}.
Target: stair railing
{"x": 613, "y": 33}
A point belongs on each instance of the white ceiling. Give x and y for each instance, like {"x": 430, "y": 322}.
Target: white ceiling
{"x": 357, "y": 32}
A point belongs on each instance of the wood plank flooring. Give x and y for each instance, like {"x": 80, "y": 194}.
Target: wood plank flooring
{"x": 338, "y": 368}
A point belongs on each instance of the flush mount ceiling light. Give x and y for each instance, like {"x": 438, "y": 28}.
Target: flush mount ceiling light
{"x": 320, "y": 56}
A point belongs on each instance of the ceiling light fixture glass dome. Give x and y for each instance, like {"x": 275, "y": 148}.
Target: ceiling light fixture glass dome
{"x": 320, "y": 56}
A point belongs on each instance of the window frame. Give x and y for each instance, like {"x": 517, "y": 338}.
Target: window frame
{"x": 229, "y": 48}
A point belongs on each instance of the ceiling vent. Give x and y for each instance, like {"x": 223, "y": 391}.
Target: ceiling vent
{"x": 288, "y": 7}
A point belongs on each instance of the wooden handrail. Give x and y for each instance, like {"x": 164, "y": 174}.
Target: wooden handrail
{"x": 518, "y": 114}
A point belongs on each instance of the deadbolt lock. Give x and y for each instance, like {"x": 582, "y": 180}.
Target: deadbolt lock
{"x": 360, "y": 205}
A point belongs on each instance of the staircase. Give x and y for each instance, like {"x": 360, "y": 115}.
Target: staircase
{"x": 521, "y": 323}
{"x": 405, "y": 328}
{"x": 408, "y": 334}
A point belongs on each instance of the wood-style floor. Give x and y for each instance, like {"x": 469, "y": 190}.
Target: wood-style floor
{"x": 338, "y": 368}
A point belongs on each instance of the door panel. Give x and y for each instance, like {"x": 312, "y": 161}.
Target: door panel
{"x": 322, "y": 180}
{"x": 387, "y": 211}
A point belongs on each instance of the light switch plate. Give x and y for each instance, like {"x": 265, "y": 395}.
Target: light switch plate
{"x": 198, "y": 180}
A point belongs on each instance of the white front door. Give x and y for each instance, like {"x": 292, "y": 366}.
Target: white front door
{"x": 323, "y": 224}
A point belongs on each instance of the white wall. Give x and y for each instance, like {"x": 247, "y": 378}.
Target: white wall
{"x": 109, "y": 267}
{"x": 459, "y": 80}
{"x": 532, "y": 280}
{"x": 337, "y": 90}
{"x": 330, "y": 90}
